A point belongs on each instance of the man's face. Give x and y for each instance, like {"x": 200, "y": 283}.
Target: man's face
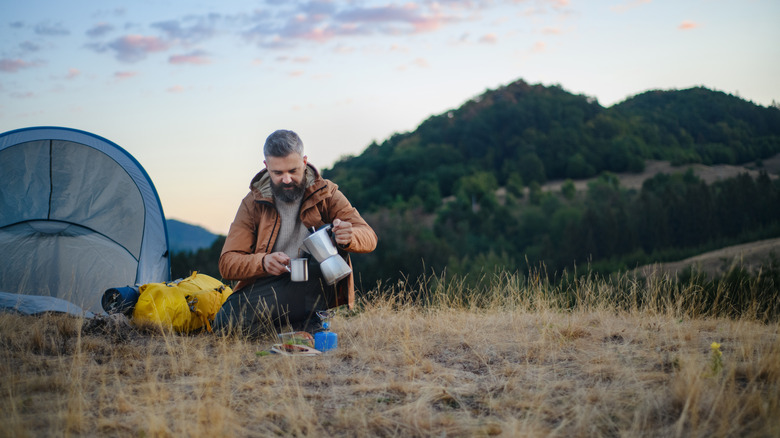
{"x": 287, "y": 176}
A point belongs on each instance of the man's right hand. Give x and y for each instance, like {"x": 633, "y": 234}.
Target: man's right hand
{"x": 276, "y": 263}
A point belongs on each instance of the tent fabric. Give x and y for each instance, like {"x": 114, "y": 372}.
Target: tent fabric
{"x": 78, "y": 215}
{"x": 36, "y": 305}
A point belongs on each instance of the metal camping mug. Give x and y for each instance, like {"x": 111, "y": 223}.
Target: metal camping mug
{"x": 299, "y": 269}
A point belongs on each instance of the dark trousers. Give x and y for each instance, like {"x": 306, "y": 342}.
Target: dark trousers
{"x": 273, "y": 302}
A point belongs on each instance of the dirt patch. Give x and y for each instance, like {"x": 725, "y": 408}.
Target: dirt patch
{"x": 709, "y": 174}
{"x": 749, "y": 256}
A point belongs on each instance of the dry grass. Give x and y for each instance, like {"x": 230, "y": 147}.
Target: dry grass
{"x": 508, "y": 362}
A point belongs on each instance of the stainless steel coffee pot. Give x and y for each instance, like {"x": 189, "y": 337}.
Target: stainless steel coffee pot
{"x": 320, "y": 245}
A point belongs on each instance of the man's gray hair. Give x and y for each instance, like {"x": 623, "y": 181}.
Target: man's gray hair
{"x": 282, "y": 143}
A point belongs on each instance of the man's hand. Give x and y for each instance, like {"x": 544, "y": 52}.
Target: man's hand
{"x": 342, "y": 232}
{"x": 276, "y": 263}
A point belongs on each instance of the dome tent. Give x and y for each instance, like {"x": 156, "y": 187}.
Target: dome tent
{"x": 78, "y": 215}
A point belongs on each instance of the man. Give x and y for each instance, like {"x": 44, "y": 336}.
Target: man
{"x": 286, "y": 200}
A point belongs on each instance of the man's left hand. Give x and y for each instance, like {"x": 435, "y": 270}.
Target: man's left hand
{"x": 342, "y": 232}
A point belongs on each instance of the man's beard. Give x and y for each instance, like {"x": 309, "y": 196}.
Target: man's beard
{"x": 288, "y": 193}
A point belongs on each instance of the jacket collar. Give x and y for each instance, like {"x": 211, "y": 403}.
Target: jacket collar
{"x": 261, "y": 184}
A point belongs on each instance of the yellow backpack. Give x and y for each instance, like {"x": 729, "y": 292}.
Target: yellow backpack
{"x": 184, "y": 305}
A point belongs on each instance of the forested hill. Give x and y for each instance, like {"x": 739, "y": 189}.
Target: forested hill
{"x": 523, "y": 133}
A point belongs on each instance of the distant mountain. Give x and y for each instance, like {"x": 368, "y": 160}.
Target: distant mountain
{"x": 187, "y": 237}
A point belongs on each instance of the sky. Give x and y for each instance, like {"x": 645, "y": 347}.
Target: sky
{"x": 191, "y": 88}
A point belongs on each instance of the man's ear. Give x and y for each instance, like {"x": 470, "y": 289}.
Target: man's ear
{"x": 305, "y": 160}
{"x": 265, "y": 164}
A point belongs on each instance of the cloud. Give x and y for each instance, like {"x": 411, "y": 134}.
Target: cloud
{"x": 14, "y": 65}
{"x": 175, "y": 89}
{"x": 688, "y": 25}
{"x": 323, "y": 21}
{"x": 530, "y": 12}
{"x": 29, "y": 46}
{"x": 99, "y": 30}
{"x": 116, "y": 12}
{"x": 197, "y": 57}
{"x": 421, "y": 62}
{"x": 539, "y": 47}
{"x": 295, "y": 59}
{"x": 132, "y": 48}
{"x": 628, "y": 6}
{"x": 48, "y": 29}
{"x": 490, "y": 38}
{"x": 412, "y": 18}
{"x": 125, "y": 74}
{"x": 201, "y": 28}
{"x": 283, "y": 25}
{"x": 72, "y": 73}
{"x": 552, "y": 31}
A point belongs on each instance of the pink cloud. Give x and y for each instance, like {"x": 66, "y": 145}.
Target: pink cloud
{"x": 175, "y": 89}
{"x": 688, "y": 25}
{"x": 630, "y": 5}
{"x": 194, "y": 58}
{"x": 427, "y": 24}
{"x": 319, "y": 35}
{"x": 296, "y": 59}
{"x": 421, "y": 62}
{"x": 490, "y": 38}
{"x": 132, "y": 48}
{"x": 409, "y": 14}
{"x": 552, "y": 31}
{"x": 539, "y": 47}
{"x": 125, "y": 74}
{"x": 72, "y": 73}
{"x": 14, "y": 65}
{"x": 324, "y": 20}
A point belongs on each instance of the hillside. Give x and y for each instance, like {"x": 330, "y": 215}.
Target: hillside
{"x": 708, "y": 174}
{"x": 522, "y": 133}
{"x": 749, "y": 256}
{"x": 184, "y": 237}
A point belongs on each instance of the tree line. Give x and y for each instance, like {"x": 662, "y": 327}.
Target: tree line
{"x": 606, "y": 228}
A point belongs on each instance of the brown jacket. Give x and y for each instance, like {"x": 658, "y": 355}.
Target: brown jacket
{"x": 254, "y": 230}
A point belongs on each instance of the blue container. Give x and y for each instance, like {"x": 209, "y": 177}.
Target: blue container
{"x": 120, "y": 300}
{"x": 325, "y": 341}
